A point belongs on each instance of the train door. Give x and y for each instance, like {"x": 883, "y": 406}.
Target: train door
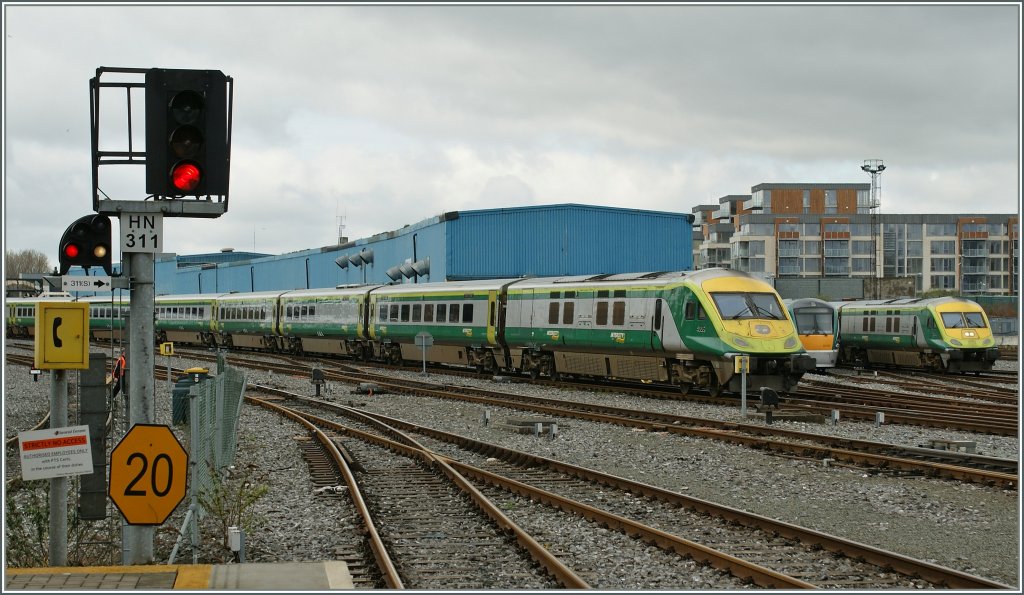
{"x": 657, "y": 322}
{"x": 492, "y": 317}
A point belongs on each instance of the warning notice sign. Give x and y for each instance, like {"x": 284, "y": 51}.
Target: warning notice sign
{"x": 55, "y": 452}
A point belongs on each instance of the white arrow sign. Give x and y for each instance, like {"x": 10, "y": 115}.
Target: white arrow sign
{"x": 71, "y": 283}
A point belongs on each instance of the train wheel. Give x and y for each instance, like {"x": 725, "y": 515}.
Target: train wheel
{"x": 684, "y": 388}
{"x": 715, "y": 387}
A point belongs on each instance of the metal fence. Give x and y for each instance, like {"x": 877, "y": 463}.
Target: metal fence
{"x": 214, "y": 407}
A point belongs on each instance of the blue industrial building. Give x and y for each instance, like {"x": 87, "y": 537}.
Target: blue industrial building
{"x": 567, "y": 239}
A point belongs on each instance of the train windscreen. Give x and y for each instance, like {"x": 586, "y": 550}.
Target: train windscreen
{"x": 813, "y": 321}
{"x": 963, "y": 320}
{"x": 736, "y": 305}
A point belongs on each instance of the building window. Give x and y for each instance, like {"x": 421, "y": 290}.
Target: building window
{"x": 837, "y": 248}
{"x": 943, "y": 247}
{"x": 861, "y": 265}
{"x": 942, "y": 229}
{"x": 862, "y": 247}
{"x": 941, "y": 265}
{"x": 789, "y": 248}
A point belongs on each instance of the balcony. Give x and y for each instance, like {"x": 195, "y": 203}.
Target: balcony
{"x": 837, "y": 252}
{"x": 976, "y": 252}
{"x": 975, "y": 270}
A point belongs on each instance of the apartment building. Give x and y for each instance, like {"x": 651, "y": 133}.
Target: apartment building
{"x": 828, "y": 230}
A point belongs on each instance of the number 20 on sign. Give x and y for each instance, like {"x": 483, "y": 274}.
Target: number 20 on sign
{"x": 148, "y": 472}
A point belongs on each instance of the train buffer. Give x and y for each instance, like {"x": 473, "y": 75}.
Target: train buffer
{"x": 968, "y": 446}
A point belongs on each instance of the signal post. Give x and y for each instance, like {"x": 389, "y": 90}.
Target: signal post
{"x": 187, "y": 161}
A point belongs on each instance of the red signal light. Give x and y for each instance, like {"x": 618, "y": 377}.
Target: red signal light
{"x": 71, "y": 250}
{"x": 185, "y": 176}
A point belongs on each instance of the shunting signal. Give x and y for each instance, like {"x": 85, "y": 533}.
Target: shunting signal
{"x": 86, "y": 243}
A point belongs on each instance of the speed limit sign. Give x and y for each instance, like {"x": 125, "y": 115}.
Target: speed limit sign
{"x": 148, "y": 471}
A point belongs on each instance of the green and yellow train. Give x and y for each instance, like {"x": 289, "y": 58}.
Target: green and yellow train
{"x": 679, "y": 328}
{"x": 941, "y": 334}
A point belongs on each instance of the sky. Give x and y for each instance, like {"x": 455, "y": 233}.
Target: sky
{"x": 374, "y": 117}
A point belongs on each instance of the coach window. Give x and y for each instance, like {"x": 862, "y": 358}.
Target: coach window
{"x": 394, "y": 312}
{"x": 553, "y": 313}
{"x": 601, "y": 319}
{"x": 619, "y": 313}
{"x": 555, "y": 295}
{"x": 467, "y": 313}
{"x": 603, "y": 293}
{"x": 570, "y": 295}
{"x": 453, "y": 313}
{"x": 442, "y": 312}
{"x": 428, "y": 313}
{"x": 657, "y": 315}
{"x": 417, "y": 312}
{"x": 690, "y": 310}
{"x": 382, "y": 315}
{"x": 701, "y": 315}
{"x": 619, "y": 293}
{"x": 288, "y": 312}
{"x": 312, "y": 311}
{"x": 405, "y": 312}
{"x": 568, "y": 313}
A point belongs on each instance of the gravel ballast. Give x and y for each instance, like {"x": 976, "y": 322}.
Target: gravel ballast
{"x": 968, "y": 527}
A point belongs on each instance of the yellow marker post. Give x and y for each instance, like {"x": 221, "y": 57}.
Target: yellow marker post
{"x": 167, "y": 349}
{"x": 62, "y": 336}
{"x": 742, "y": 363}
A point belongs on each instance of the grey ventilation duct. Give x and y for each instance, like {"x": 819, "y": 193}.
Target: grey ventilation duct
{"x": 367, "y": 256}
{"x": 407, "y": 270}
{"x": 356, "y": 260}
{"x": 394, "y": 273}
{"x": 341, "y": 261}
{"x": 422, "y": 267}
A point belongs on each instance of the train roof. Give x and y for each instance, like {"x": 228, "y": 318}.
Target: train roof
{"x": 807, "y": 303}
{"x": 328, "y": 292}
{"x": 190, "y": 297}
{"x": 446, "y": 287}
{"x": 611, "y": 280}
{"x": 904, "y": 301}
{"x": 255, "y": 295}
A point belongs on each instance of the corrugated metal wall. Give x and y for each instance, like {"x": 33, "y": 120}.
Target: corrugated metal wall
{"x": 566, "y": 240}
{"x": 529, "y": 241}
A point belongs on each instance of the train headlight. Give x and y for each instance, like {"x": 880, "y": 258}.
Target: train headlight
{"x": 790, "y": 343}
{"x": 988, "y": 341}
{"x": 956, "y": 342}
{"x": 740, "y": 342}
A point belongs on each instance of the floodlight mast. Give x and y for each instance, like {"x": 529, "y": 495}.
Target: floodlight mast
{"x": 875, "y": 167}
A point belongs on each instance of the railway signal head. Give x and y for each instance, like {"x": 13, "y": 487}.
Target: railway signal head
{"x": 86, "y": 243}
{"x": 187, "y": 152}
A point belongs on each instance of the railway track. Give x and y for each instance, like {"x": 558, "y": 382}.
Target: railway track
{"x": 767, "y": 552}
{"x": 871, "y": 456}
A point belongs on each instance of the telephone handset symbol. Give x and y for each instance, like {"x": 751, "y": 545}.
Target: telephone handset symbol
{"x": 56, "y": 340}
